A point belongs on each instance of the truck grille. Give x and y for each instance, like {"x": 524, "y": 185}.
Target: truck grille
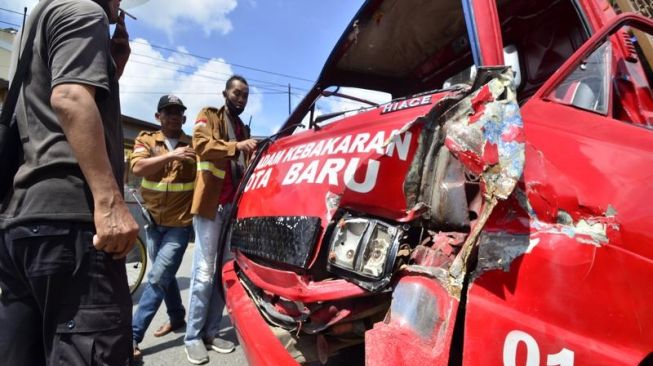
{"x": 285, "y": 239}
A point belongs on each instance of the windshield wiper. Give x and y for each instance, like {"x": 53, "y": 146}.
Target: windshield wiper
{"x": 324, "y": 117}
{"x": 327, "y": 93}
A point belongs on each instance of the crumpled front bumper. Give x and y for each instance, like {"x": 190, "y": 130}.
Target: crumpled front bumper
{"x": 260, "y": 345}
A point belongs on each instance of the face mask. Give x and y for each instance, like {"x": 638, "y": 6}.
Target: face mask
{"x": 233, "y": 109}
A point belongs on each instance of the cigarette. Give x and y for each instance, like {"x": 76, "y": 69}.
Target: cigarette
{"x": 127, "y": 14}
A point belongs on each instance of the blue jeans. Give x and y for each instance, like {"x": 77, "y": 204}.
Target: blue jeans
{"x": 205, "y": 305}
{"x": 166, "y": 246}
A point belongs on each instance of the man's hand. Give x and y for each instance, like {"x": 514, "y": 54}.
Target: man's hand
{"x": 116, "y": 229}
{"x": 120, "y": 49}
{"x": 147, "y": 166}
{"x": 246, "y": 145}
{"x": 181, "y": 153}
{"x": 81, "y": 123}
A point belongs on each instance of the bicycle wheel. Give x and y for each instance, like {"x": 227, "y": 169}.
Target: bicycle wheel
{"x": 135, "y": 263}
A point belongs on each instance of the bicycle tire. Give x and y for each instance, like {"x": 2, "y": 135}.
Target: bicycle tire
{"x": 135, "y": 265}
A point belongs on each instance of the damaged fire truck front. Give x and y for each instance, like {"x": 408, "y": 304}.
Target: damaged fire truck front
{"x": 496, "y": 210}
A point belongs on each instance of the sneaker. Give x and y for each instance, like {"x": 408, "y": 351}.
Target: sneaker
{"x": 196, "y": 353}
{"x": 220, "y": 345}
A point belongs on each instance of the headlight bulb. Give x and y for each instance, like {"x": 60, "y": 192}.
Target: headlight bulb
{"x": 376, "y": 252}
{"x": 364, "y": 248}
{"x": 346, "y": 243}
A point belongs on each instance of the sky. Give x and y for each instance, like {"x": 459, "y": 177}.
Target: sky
{"x": 190, "y": 47}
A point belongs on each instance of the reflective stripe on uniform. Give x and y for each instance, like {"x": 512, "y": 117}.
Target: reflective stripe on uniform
{"x": 167, "y": 187}
{"x": 210, "y": 167}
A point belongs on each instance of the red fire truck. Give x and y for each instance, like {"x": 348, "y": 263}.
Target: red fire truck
{"x": 497, "y": 210}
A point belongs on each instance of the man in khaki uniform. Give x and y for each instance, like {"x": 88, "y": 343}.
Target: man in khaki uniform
{"x": 223, "y": 146}
{"x": 166, "y": 161}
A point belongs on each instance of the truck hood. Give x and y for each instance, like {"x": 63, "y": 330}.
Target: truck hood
{"x": 373, "y": 53}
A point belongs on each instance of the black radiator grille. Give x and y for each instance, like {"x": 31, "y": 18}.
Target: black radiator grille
{"x": 285, "y": 239}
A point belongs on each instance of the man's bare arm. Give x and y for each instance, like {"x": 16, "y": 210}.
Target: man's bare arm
{"x": 80, "y": 120}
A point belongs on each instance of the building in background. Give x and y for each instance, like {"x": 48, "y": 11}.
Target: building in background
{"x": 7, "y": 36}
{"x": 645, "y": 8}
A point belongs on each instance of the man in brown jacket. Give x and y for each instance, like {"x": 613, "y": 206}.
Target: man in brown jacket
{"x": 222, "y": 144}
{"x": 166, "y": 161}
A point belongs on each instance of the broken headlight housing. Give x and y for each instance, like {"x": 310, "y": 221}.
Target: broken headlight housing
{"x": 363, "y": 250}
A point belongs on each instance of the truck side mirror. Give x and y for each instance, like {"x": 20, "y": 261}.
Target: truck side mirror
{"x": 511, "y": 58}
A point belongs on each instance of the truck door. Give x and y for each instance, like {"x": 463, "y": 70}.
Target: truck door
{"x": 576, "y": 290}
{"x": 483, "y": 32}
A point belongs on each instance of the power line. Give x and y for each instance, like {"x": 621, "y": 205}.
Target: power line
{"x": 11, "y": 24}
{"x": 211, "y": 71}
{"x": 197, "y": 74}
{"x": 201, "y": 57}
{"x": 193, "y": 92}
{"x": 224, "y": 62}
{"x": 11, "y": 11}
{"x": 210, "y": 77}
{"x": 196, "y": 84}
{"x": 167, "y": 79}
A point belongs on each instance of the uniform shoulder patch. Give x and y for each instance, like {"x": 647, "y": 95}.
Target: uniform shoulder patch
{"x": 147, "y": 133}
{"x": 144, "y": 140}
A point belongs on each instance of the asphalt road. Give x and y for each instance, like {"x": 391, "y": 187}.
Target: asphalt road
{"x": 169, "y": 349}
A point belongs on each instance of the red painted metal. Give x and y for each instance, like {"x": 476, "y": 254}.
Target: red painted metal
{"x": 298, "y": 167}
{"x": 394, "y": 342}
{"x": 578, "y": 292}
{"x": 594, "y": 302}
{"x": 585, "y": 49}
{"x": 598, "y": 13}
{"x": 296, "y": 151}
{"x": 583, "y": 293}
{"x": 488, "y": 32}
{"x": 259, "y": 344}
{"x": 295, "y": 287}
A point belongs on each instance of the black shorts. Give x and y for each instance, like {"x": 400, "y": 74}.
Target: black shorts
{"x": 62, "y": 302}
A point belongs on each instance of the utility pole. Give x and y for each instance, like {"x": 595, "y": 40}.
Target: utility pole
{"x": 22, "y": 30}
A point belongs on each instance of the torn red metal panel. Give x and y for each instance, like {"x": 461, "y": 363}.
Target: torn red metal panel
{"x": 486, "y": 139}
{"x": 418, "y": 329}
{"x": 604, "y": 176}
{"x": 500, "y": 173}
{"x": 292, "y": 286}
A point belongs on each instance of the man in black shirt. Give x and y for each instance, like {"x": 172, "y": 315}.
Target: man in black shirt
{"x": 65, "y": 229}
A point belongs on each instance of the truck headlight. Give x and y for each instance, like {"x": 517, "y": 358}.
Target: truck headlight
{"x": 364, "y": 250}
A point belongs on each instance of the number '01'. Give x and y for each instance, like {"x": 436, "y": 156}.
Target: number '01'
{"x": 563, "y": 358}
